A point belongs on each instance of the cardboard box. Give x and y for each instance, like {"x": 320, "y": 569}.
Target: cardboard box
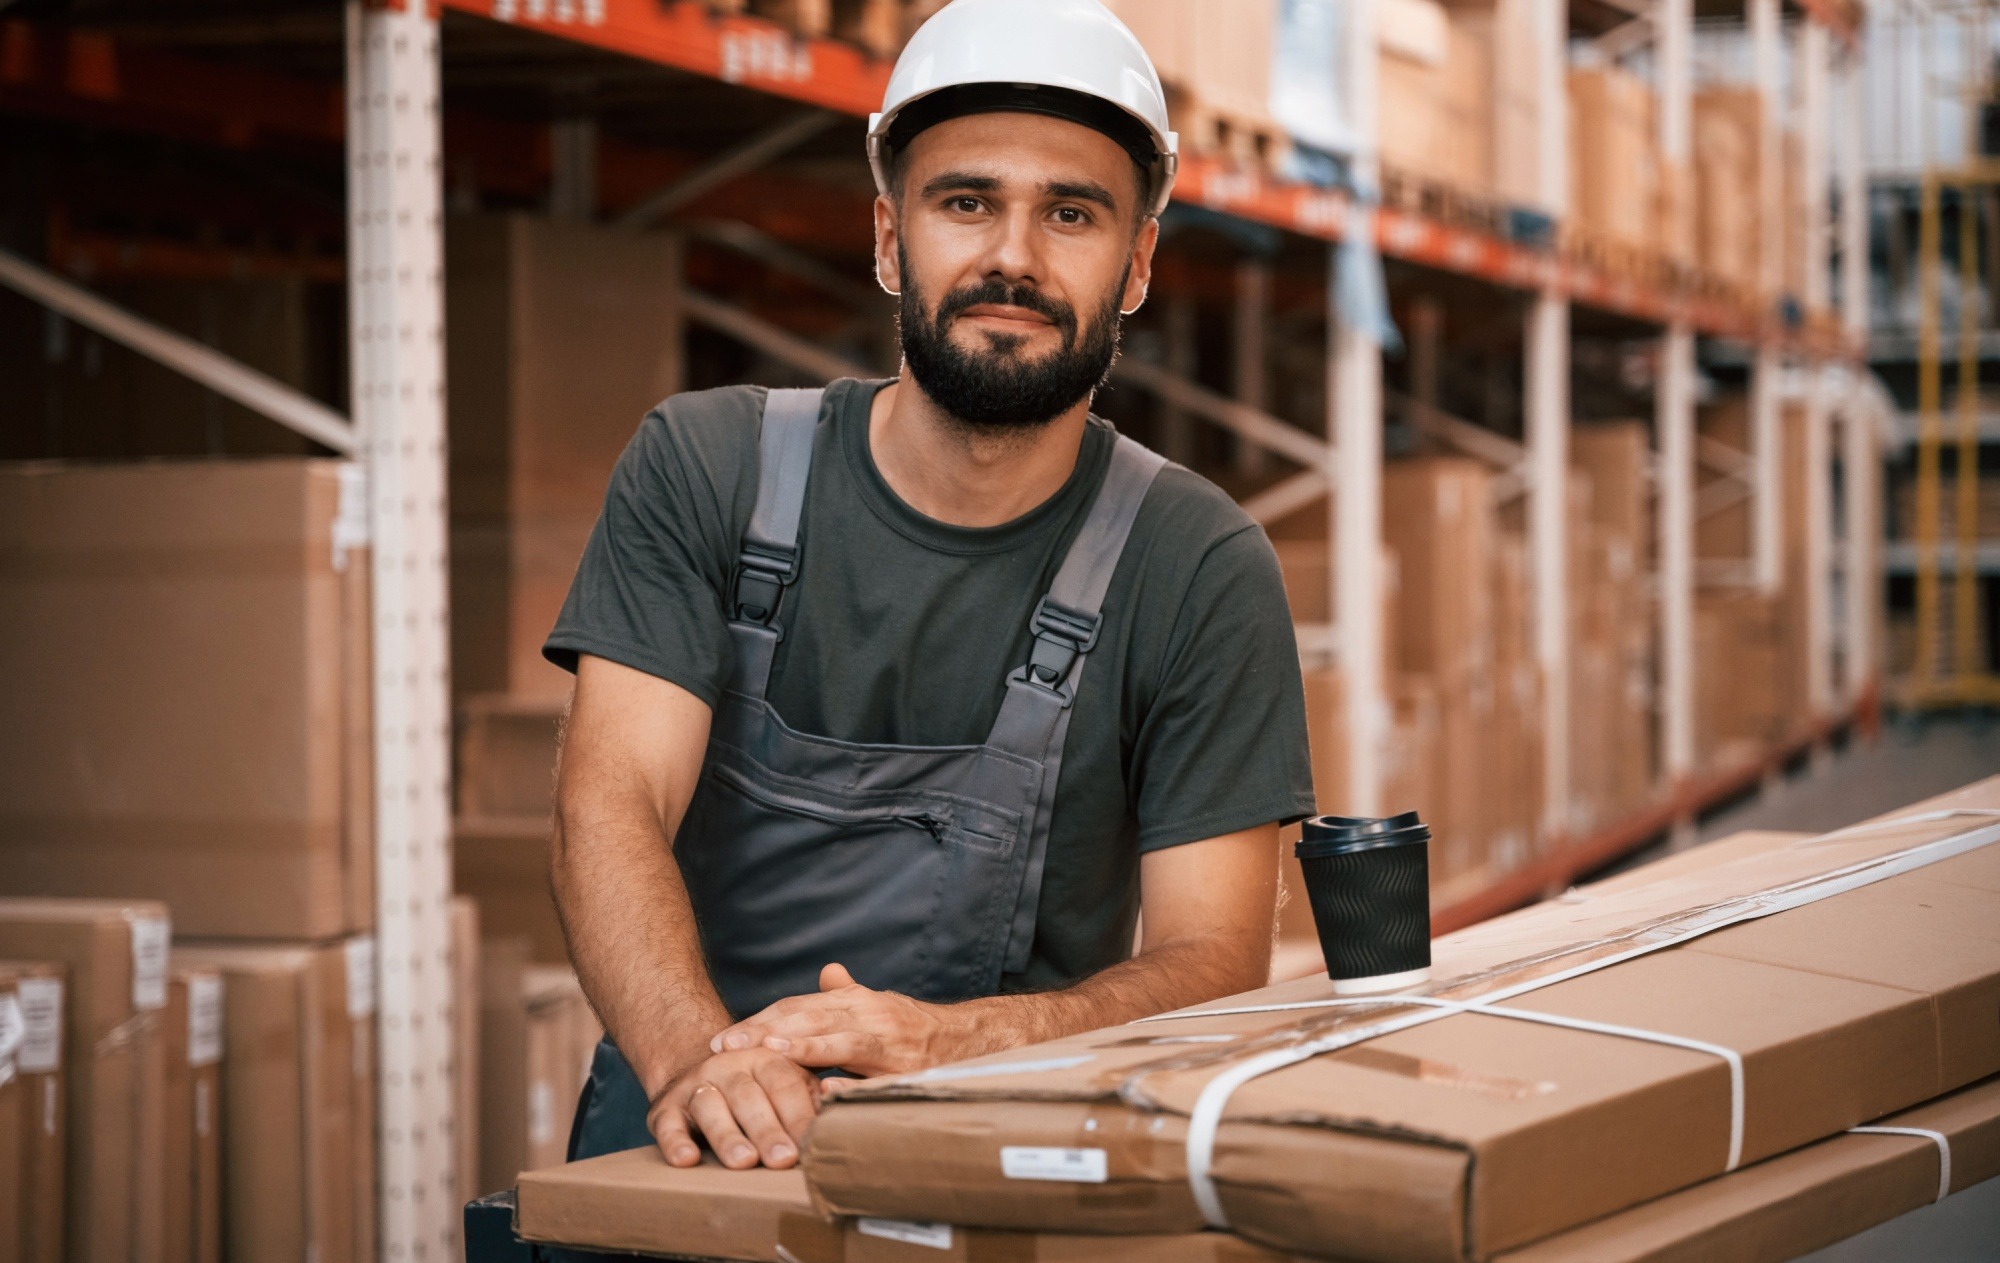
{"x": 503, "y": 863}
{"x": 1457, "y": 1135}
{"x": 537, "y": 1034}
{"x": 1728, "y": 122}
{"x": 1614, "y": 156}
{"x": 465, "y": 994}
{"x": 1436, "y": 98}
{"x": 185, "y": 658}
{"x": 298, "y": 1101}
{"x": 192, "y": 1030}
{"x": 1438, "y": 518}
{"x": 1765, "y": 1213}
{"x": 37, "y": 988}
{"x": 114, "y": 953}
{"x": 532, "y": 440}
{"x": 507, "y": 756}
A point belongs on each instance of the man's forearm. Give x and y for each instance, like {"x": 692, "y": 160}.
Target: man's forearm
{"x": 1170, "y": 976}
{"x": 631, "y": 933}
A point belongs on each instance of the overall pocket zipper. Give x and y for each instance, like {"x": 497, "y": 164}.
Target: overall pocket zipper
{"x": 930, "y": 822}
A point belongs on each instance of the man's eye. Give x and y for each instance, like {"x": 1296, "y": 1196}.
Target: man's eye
{"x": 965, "y": 205}
{"x": 1072, "y": 215}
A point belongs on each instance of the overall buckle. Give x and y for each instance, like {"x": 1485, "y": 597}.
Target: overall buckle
{"x": 762, "y": 573}
{"x": 1062, "y": 635}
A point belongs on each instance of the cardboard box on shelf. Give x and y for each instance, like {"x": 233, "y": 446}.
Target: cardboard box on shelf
{"x": 37, "y": 988}
{"x": 1764, "y": 1213}
{"x": 1419, "y": 1133}
{"x": 533, "y": 442}
{"x": 507, "y": 756}
{"x": 114, "y": 955}
{"x": 1727, "y": 123}
{"x": 536, "y": 1034}
{"x": 465, "y": 995}
{"x": 299, "y": 1040}
{"x": 1436, "y": 94}
{"x": 1614, "y": 156}
{"x": 503, "y": 863}
{"x": 1438, "y": 518}
{"x": 192, "y": 1030}
{"x": 185, "y": 657}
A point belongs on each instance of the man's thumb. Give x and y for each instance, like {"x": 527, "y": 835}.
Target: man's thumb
{"x": 835, "y": 976}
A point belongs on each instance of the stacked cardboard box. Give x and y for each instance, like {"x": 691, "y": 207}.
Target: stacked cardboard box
{"x": 1614, "y": 158}
{"x": 191, "y": 1028}
{"x": 1436, "y": 88}
{"x": 185, "y": 654}
{"x": 298, "y": 1102}
{"x": 114, "y": 956}
{"x": 1765, "y": 1213}
{"x": 537, "y": 1034}
{"x": 1215, "y": 63}
{"x": 1611, "y": 622}
{"x": 36, "y": 989}
{"x": 1728, "y": 122}
{"x": 1416, "y": 1133}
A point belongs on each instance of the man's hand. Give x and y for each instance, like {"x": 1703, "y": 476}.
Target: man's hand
{"x": 752, "y": 1106}
{"x": 852, "y": 1027}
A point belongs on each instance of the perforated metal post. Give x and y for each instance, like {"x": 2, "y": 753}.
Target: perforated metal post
{"x": 1857, "y": 422}
{"x": 1675, "y": 423}
{"x": 1354, "y": 400}
{"x": 396, "y": 315}
{"x": 1767, "y": 366}
{"x": 1814, "y": 46}
{"x": 1547, "y": 410}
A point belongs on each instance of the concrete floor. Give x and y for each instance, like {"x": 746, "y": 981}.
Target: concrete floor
{"x": 1911, "y": 760}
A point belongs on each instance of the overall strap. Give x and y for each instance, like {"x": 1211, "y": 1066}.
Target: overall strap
{"x": 769, "y": 559}
{"x": 1034, "y": 716}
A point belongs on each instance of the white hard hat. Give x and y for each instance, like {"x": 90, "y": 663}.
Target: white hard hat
{"x": 1069, "y": 58}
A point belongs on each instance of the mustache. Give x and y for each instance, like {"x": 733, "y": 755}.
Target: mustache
{"x": 996, "y": 291}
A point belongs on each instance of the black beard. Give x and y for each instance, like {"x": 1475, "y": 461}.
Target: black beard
{"x": 997, "y": 390}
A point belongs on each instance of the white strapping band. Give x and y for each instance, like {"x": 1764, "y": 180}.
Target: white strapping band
{"x": 1938, "y": 1138}
{"x": 1206, "y": 1116}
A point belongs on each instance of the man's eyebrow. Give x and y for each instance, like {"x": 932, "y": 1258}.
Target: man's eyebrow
{"x": 951, "y": 180}
{"x": 1082, "y": 191}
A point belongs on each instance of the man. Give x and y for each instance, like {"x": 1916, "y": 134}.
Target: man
{"x": 897, "y": 704}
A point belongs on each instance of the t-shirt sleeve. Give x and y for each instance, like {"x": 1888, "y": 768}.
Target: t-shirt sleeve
{"x": 648, "y": 593}
{"x": 1223, "y": 745}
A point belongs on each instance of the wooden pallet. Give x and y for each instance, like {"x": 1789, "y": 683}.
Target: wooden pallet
{"x": 1453, "y": 207}
{"x": 1235, "y": 137}
{"x": 879, "y": 26}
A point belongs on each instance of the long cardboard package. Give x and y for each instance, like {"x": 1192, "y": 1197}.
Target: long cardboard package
{"x": 192, "y": 1032}
{"x": 186, "y": 667}
{"x": 115, "y": 955}
{"x": 1756, "y": 995}
{"x": 1764, "y": 1213}
{"x": 298, "y": 1102}
{"x": 37, "y": 989}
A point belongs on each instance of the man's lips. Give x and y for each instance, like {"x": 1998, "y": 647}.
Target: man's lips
{"x": 1002, "y": 314}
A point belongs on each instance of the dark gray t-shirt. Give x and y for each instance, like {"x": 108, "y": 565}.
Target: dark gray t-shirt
{"x": 1190, "y": 716}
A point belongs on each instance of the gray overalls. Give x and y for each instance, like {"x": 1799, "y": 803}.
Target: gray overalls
{"x": 917, "y": 867}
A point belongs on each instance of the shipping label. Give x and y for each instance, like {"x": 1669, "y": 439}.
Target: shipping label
{"x": 150, "y": 937}
{"x": 204, "y": 1020}
{"x": 1069, "y": 1166}
{"x": 41, "y": 1018}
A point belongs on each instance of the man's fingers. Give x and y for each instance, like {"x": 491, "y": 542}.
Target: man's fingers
{"x": 670, "y": 1131}
{"x": 711, "y": 1112}
{"x": 821, "y": 1019}
{"x": 755, "y": 1114}
{"x": 835, "y": 976}
{"x": 722, "y": 1041}
{"x": 840, "y": 1048}
{"x": 793, "y": 1095}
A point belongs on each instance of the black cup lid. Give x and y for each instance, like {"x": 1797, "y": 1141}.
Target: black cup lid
{"x": 1340, "y": 835}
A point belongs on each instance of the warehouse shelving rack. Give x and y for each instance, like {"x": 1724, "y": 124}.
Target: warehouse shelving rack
{"x": 390, "y": 122}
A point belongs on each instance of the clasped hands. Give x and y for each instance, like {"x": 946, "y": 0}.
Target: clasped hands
{"x": 755, "y": 1094}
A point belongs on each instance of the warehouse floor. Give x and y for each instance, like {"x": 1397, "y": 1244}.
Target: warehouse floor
{"x": 1911, "y": 760}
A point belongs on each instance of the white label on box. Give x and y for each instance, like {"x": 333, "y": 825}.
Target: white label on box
{"x": 350, "y": 515}
{"x": 361, "y": 977}
{"x": 1071, "y": 1166}
{"x": 150, "y": 936}
{"x": 936, "y": 1236}
{"x": 10, "y": 1035}
{"x": 541, "y": 1112}
{"x": 204, "y": 1020}
{"x": 41, "y": 1015}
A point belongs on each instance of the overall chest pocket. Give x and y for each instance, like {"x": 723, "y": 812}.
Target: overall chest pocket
{"x": 911, "y": 891}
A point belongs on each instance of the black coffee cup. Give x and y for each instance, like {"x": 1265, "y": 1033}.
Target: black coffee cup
{"x": 1369, "y": 884}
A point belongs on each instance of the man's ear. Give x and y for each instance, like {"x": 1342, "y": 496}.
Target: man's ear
{"x": 1140, "y": 278}
{"x": 888, "y": 267}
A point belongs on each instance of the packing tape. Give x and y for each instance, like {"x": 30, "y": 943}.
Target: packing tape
{"x": 1938, "y": 1138}
{"x": 1205, "y": 1118}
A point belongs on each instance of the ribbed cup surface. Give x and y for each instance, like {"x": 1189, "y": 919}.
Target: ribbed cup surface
{"x": 1372, "y": 907}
